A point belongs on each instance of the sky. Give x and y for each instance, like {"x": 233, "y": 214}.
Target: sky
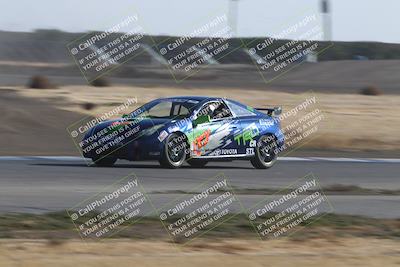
{"x": 352, "y": 20}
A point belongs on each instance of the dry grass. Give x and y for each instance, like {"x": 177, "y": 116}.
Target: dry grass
{"x": 353, "y": 122}
{"x": 338, "y": 252}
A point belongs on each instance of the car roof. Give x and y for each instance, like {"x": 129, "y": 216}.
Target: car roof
{"x": 209, "y": 98}
{"x": 197, "y": 98}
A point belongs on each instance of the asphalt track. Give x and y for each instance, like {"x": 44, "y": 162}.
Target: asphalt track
{"x": 42, "y": 184}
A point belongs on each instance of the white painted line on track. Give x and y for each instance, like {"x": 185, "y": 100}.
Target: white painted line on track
{"x": 13, "y": 158}
{"x": 60, "y": 158}
{"x": 365, "y": 160}
{"x": 294, "y": 159}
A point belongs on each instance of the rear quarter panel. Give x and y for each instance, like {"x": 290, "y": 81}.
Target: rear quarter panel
{"x": 253, "y": 127}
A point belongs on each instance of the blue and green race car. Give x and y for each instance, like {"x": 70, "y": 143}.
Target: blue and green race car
{"x": 192, "y": 129}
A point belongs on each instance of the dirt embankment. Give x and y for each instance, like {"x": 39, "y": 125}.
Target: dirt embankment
{"x": 30, "y": 126}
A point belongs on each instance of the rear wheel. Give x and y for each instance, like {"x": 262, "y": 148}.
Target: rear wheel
{"x": 197, "y": 163}
{"x": 265, "y": 155}
{"x": 174, "y": 154}
{"x": 105, "y": 162}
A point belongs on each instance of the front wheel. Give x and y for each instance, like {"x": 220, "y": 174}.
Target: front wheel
{"x": 265, "y": 155}
{"x": 174, "y": 154}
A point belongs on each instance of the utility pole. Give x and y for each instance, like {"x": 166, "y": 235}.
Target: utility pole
{"x": 233, "y": 16}
{"x": 326, "y": 20}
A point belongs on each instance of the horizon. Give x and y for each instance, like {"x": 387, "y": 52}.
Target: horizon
{"x": 351, "y": 21}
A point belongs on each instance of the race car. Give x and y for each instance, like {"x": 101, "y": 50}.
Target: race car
{"x": 192, "y": 129}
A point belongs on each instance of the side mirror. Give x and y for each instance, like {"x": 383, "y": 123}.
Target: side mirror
{"x": 201, "y": 119}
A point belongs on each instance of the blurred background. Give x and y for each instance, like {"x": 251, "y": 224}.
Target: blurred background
{"x": 353, "y": 73}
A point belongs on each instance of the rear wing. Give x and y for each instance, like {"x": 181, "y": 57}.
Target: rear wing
{"x": 276, "y": 111}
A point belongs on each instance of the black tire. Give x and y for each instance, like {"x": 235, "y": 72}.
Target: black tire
{"x": 174, "y": 152}
{"x": 265, "y": 156}
{"x": 197, "y": 163}
{"x": 105, "y": 162}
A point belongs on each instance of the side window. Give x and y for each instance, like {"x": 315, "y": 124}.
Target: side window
{"x": 221, "y": 111}
{"x": 179, "y": 109}
{"x": 207, "y": 109}
{"x": 238, "y": 110}
{"x": 184, "y": 111}
{"x": 216, "y": 110}
{"x": 162, "y": 109}
{"x": 175, "y": 110}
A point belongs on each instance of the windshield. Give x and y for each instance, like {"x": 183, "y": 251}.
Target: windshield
{"x": 166, "y": 109}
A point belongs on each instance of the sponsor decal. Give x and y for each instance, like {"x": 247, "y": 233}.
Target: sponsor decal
{"x": 173, "y": 129}
{"x": 267, "y": 123}
{"x": 248, "y": 134}
{"x": 222, "y": 152}
{"x": 200, "y": 141}
{"x": 253, "y": 143}
{"x": 250, "y": 151}
{"x": 162, "y": 136}
{"x": 179, "y": 100}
